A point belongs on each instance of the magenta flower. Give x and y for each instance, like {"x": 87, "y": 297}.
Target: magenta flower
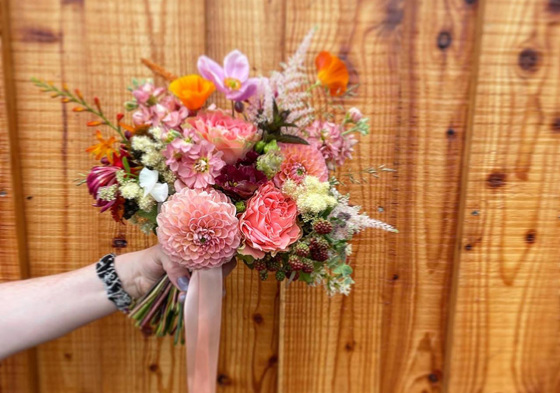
{"x": 98, "y": 177}
{"x": 233, "y": 78}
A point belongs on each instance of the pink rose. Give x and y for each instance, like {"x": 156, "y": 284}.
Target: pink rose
{"x": 270, "y": 222}
{"x": 233, "y": 137}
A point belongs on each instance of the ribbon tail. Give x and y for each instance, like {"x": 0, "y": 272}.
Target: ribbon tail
{"x": 203, "y": 317}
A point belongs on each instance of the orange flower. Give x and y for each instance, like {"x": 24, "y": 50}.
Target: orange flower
{"x": 192, "y": 90}
{"x": 104, "y": 148}
{"x": 332, "y": 73}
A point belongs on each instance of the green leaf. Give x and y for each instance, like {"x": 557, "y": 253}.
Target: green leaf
{"x": 126, "y": 165}
{"x": 343, "y": 269}
{"x": 151, "y": 215}
{"x": 306, "y": 277}
{"x": 285, "y": 138}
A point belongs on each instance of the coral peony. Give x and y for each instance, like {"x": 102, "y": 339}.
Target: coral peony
{"x": 233, "y": 137}
{"x": 300, "y": 161}
{"x": 198, "y": 229}
{"x": 270, "y": 222}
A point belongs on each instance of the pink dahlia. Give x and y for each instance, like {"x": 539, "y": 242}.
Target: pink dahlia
{"x": 198, "y": 229}
{"x": 233, "y": 137}
{"x": 330, "y": 140}
{"x": 270, "y": 222}
{"x": 200, "y": 170}
{"x": 300, "y": 161}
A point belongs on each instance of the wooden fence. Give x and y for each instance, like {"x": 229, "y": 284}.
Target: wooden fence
{"x": 464, "y": 99}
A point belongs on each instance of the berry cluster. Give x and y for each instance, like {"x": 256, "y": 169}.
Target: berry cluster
{"x": 307, "y": 255}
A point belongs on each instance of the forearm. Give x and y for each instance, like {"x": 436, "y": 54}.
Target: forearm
{"x": 37, "y": 310}
{"x": 41, "y": 309}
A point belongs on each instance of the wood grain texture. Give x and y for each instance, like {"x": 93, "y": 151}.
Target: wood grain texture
{"x": 464, "y": 102}
{"x": 413, "y": 61}
{"x": 249, "y": 347}
{"x": 506, "y": 331}
{"x": 95, "y": 46}
{"x": 16, "y": 373}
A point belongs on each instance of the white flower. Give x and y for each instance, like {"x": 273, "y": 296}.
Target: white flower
{"x": 148, "y": 180}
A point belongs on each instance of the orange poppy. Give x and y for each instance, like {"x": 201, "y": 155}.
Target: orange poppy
{"x": 192, "y": 90}
{"x": 332, "y": 73}
{"x": 104, "y": 148}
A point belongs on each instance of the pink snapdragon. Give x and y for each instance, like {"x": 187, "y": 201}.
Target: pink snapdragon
{"x": 330, "y": 140}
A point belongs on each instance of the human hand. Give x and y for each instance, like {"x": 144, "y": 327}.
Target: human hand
{"x": 140, "y": 270}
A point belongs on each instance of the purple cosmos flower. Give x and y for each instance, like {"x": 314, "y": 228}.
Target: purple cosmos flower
{"x": 233, "y": 78}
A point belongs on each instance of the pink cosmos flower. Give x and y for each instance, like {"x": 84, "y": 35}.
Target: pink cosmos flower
{"x": 270, "y": 222}
{"x": 233, "y": 78}
{"x": 200, "y": 170}
{"x": 300, "y": 161}
{"x": 198, "y": 228}
{"x": 329, "y": 139}
{"x": 233, "y": 137}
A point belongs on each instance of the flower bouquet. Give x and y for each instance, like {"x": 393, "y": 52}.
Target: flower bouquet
{"x": 253, "y": 182}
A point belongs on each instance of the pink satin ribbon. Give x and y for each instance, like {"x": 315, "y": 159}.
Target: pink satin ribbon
{"x": 203, "y": 317}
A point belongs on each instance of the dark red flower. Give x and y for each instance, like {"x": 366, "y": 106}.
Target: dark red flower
{"x": 241, "y": 181}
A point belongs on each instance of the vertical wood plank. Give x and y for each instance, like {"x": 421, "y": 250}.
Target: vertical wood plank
{"x": 17, "y": 374}
{"x": 249, "y": 346}
{"x": 413, "y": 60}
{"x": 505, "y": 327}
{"x": 95, "y": 46}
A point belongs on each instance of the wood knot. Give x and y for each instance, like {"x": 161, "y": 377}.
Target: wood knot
{"x": 258, "y": 318}
{"x": 29, "y": 197}
{"x": 554, "y": 6}
{"x": 435, "y": 376}
{"x": 224, "y": 380}
{"x": 470, "y": 2}
{"x": 153, "y": 367}
{"x": 119, "y": 242}
{"x": 43, "y": 36}
{"x": 444, "y": 40}
{"x": 350, "y": 346}
{"x": 556, "y": 125}
{"x": 450, "y": 133}
{"x": 272, "y": 360}
{"x": 496, "y": 179}
{"x": 528, "y": 60}
{"x": 395, "y": 277}
{"x": 68, "y": 356}
{"x": 468, "y": 247}
{"x": 531, "y": 236}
